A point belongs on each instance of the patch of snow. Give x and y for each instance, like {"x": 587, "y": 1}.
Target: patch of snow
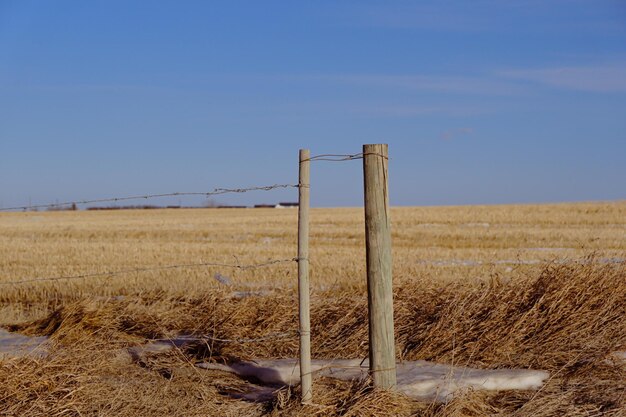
{"x": 429, "y": 225}
{"x": 222, "y": 279}
{"x": 469, "y": 262}
{"x": 614, "y": 260}
{"x": 546, "y": 249}
{"x": 15, "y": 344}
{"x": 517, "y": 262}
{"x": 476, "y": 225}
{"x": 422, "y": 380}
{"x": 452, "y": 262}
{"x": 160, "y": 346}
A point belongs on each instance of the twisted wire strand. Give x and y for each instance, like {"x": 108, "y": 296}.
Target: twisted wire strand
{"x": 340, "y": 157}
{"x": 216, "y": 191}
{"x": 271, "y": 336}
{"x": 150, "y": 269}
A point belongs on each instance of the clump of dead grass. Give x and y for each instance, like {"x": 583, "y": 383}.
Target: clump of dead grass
{"x": 90, "y": 378}
{"x": 343, "y": 398}
{"x": 567, "y": 320}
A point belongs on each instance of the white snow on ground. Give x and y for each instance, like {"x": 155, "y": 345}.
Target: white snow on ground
{"x": 15, "y": 344}
{"x": 544, "y": 249}
{"x": 422, "y": 380}
{"x": 475, "y": 225}
{"x": 469, "y": 262}
{"x": 160, "y": 346}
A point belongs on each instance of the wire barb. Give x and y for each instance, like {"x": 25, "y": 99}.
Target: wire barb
{"x": 271, "y": 336}
{"x": 216, "y": 191}
{"x": 151, "y": 269}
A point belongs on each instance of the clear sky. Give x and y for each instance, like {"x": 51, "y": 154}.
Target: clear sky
{"x": 481, "y": 102}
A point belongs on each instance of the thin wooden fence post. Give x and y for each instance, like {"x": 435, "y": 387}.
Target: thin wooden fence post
{"x": 382, "y": 353}
{"x": 303, "y": 276}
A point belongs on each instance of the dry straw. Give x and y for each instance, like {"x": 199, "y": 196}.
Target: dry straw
{"x": 567, "y": 320}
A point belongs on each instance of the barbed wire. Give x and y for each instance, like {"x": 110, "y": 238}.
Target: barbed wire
{"x": 271, "y": 336}
{"x": 187, "y": 339}
{"x": 340, "y": 157}
{"x": 216, "y": 191}
{"x": 150, "y": 269}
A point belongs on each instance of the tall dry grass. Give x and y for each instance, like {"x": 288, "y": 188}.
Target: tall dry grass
{"x": 568, "y": 320}
{"x": 564, "y": 317}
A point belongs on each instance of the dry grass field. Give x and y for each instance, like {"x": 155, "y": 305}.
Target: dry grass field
{"x": 529, "y": 286}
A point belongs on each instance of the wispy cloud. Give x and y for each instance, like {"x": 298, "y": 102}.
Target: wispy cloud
{"x": 453, "y": 133}
{"x": 370, "y": 109}
{"x": 415, "y": 111}
{"x": 481, "y": 85}
{"x": 608, "y": 78}
{"x": 597, "y": 79}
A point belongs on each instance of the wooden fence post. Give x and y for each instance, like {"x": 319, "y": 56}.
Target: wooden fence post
{"x": 303, "y": 276}
{"x": 382, "y": 353}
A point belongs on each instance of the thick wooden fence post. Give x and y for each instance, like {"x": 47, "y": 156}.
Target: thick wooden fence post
{"x": 382, "y": 353}
{"x": 303, "y": 276}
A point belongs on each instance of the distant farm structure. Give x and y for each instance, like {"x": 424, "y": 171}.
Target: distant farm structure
{"x": 280, "y": 205}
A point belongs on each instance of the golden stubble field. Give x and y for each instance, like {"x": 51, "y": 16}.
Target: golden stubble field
{"x": 465, "y": 243}
{"x": 553, "y": 272}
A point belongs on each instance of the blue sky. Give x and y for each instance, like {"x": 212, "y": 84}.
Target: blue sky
{"x": 481, "y": 102}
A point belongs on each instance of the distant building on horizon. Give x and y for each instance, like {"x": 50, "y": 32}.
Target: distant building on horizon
{"x": 286, "y": 205}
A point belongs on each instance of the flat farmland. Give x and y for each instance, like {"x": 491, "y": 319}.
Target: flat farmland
{"x": 446, "y": 243}
{"x": 100, "y": 280}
